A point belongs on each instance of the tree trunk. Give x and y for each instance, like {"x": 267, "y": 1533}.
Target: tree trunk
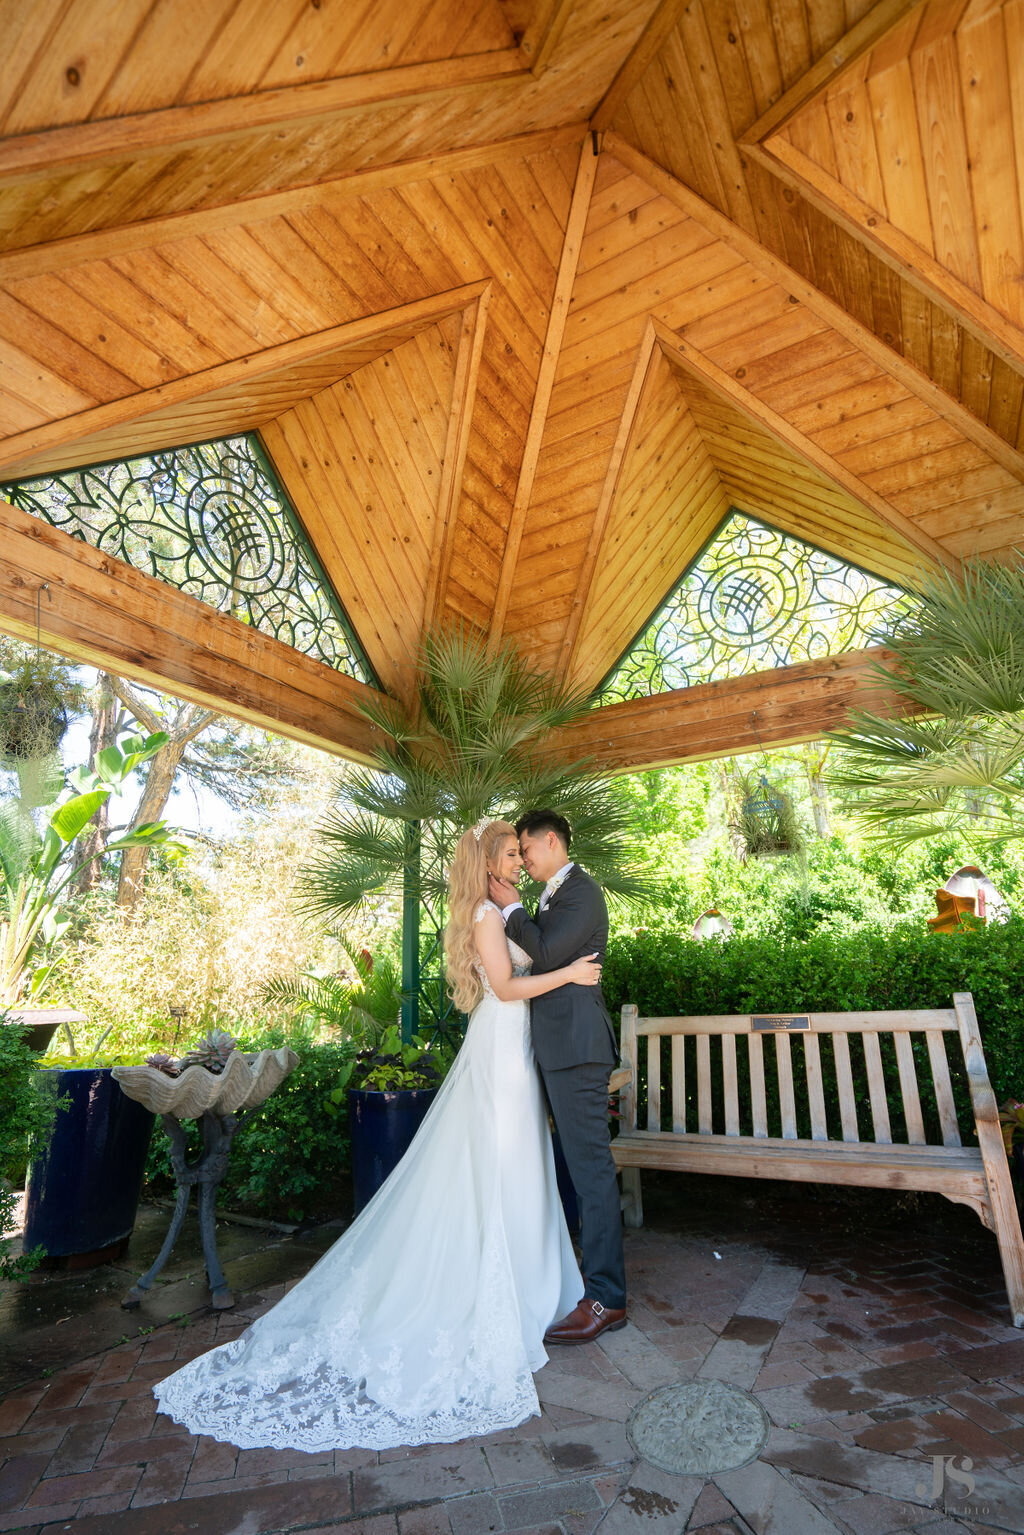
{"x": 102, "y": 734}
{"x": 157, "y": 791}
{"x": 820, "y": 807}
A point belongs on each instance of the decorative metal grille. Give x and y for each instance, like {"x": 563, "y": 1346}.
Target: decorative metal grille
{"x": 213, "y": 521}
{"x": 754, "y": 599}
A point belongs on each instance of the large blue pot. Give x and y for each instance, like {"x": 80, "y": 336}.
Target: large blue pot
{"x": 382, "y": 1126}
{"x": 83, "y": 1189}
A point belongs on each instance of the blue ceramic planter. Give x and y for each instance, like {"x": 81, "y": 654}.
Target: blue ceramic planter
{"x": 83, "y": 1190}
{"x": 382, "y": 1126}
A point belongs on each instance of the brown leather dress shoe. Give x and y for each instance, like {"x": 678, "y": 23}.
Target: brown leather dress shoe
{"x": 587, "y": 1322}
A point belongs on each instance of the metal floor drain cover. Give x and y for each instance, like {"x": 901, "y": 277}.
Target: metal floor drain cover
{"x": 698, "y": 1428}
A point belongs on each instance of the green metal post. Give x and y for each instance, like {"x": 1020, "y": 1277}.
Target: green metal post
{"x": 411, "y": 933}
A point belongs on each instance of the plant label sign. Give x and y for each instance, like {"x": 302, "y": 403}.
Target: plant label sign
{"x": 779, "y": 1023}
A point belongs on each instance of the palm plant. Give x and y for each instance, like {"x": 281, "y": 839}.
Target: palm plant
{"x": 954, "y": 761}
{"x": 362, "y": 1009}
{"x": 480, "y": 739}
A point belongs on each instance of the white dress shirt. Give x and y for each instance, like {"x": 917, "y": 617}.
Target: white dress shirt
{"x": 549, "y": 889}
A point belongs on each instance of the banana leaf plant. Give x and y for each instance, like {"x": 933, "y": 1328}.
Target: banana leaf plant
{"x": 35, "y": 872}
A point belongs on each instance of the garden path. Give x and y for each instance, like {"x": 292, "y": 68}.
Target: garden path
{"x": 873, "y": 1331}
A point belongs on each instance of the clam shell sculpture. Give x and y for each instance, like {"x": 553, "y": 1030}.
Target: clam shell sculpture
{"x": 246, "y": 1080}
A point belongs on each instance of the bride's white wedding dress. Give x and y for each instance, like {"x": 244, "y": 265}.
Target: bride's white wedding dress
{"x": 424, "y": 1323}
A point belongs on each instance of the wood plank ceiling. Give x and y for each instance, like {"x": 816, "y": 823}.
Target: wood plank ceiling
{"x": 522, "y": 296}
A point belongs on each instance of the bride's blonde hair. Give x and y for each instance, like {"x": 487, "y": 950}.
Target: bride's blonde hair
{"x": 467, "y": 887}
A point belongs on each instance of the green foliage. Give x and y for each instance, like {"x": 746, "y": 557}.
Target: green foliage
{"x": 960, "y": 767}
{"x": 478, "y": 742}
{"x": 391, "y": 1067}
{"x": 902, "y": 966}
{"x": 289, "y": 1158}
{"x": 360, "y": 1008}
{"x": 27, "y": 1110}
{"x": 35, "y": 873}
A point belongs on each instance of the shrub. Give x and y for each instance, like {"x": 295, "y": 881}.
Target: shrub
{"x": 26, "y": 1110}
{"x": 902, "y": 966}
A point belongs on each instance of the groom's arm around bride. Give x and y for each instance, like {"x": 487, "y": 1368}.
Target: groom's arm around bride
{"x": 574, "y": 1043}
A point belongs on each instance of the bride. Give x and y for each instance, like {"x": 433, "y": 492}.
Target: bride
{"x": 424, "y": 1323}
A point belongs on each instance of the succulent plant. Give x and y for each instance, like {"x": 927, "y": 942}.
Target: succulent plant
{"x": 212, "y": 1051}
{"x": 165, "y": 1063}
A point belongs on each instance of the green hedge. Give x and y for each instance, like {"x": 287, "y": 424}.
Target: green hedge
{"x": 289, "y": 1159}
{"x": 903, "y": 966}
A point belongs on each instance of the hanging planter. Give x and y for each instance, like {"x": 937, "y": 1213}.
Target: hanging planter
{"x": 765, "y": 822}
{"x": 36, "y": 691}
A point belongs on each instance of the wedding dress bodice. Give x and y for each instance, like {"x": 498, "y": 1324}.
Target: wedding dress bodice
{"x": 522, "y": 964}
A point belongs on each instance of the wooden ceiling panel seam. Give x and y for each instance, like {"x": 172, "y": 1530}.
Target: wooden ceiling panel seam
{"x": 861, "y": 338}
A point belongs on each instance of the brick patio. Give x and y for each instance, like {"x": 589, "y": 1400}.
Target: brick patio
{"x": 883, "y": 1347}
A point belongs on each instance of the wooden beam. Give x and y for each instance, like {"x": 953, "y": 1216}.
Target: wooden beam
{"x": 460, "y": 421}
{"x": 544, "y": 33}
{"x": 623, "y": 437}
{"x": 723, "y": 719}
{"x": 120, "y": 239}
{"x": 564, "y": 281}
{"x": 868, "y": 31}
{"x": 38, "y": 448}
{"x": 899, "y": 252}
{"x": 206, "y": 122}
{"x": 107, "y": 614}
{"x": 865, "y": 340}
{"x": 635, "y": 67}
{"x": 763, "y": 416}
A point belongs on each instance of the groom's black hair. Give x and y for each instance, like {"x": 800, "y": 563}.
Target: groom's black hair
{"x": 545, "y": 820}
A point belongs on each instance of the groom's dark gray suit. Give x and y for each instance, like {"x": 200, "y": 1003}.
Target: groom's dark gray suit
{"x": 575, "y": 1047}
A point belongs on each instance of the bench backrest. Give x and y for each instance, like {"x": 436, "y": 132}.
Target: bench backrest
{"x": 800, "y": 1073}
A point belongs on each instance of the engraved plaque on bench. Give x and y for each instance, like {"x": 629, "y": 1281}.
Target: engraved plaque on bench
{"x": 779, "y": 1023}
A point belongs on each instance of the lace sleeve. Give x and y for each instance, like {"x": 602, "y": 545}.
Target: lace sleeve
{"x": 482, "y": 910}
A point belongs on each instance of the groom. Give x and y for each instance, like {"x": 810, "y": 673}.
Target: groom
{"x": 575, "y": 1048}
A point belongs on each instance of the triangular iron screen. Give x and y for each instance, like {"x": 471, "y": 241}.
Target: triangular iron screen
{"x": 213, "y": 521}
{"x": 753, "y": 599}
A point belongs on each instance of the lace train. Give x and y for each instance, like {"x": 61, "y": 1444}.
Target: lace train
{"x": 424, "y": 1323}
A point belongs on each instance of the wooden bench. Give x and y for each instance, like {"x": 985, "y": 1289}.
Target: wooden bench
{"x": 707, "y": 1135}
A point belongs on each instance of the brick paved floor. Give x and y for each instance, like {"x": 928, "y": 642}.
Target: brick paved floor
{"x": 882, "y": 1354}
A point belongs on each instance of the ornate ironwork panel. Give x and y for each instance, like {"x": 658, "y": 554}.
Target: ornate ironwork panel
{"x": 754, "y": 599}
{"x": 213, "y": 521}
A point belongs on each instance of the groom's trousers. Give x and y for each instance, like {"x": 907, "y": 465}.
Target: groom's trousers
{"x": 578, "y": 1096}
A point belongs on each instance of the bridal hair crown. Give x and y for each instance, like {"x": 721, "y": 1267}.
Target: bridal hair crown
{"x": 482, "y": 825}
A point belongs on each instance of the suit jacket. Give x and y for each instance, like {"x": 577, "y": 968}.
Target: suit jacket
{"x": 570, "y": 1025}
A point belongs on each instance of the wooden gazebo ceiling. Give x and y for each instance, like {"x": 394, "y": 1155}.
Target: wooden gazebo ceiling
{"x": 522, "y": 296}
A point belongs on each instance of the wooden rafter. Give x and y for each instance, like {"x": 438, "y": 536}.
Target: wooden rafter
{"x": 74, "y": 439}
{"x": 206, "y": 122}
{"x": 865, "y": 340}
{"x": 107, "y": 614}
{"x": 724, "y": 384}
{"x": 718, "y": 719}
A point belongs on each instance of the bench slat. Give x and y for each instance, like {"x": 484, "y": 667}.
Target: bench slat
{"x": 943, "y": 1088}
{"x": 815, "y": 1087}
{"x": 787, "y": 1101}
{"x": 704, "y": 1084}
{"x": 654, "y": 1082}
{"x": 729, "y": 1085}
{"x": 678, "y": 1083}
{"x": 847, "y": 1095}
{"x": 755, "y": 1057}
{"x": 876, "y": 1090}
{"x": 914, "y": 1019}
{"x": 630, "y": 1057}
{"x": 908, "y": 1088}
